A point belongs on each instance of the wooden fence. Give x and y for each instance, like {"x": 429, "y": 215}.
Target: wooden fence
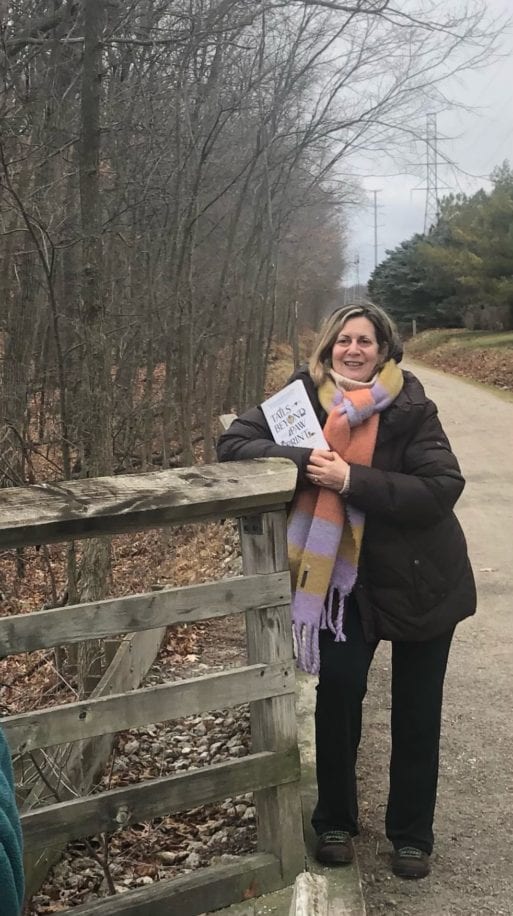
{"x": 256, "y": 492}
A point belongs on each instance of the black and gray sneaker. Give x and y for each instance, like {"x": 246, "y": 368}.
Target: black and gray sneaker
{"x": 410, "y": 862}
{"x": 335, "y": 847}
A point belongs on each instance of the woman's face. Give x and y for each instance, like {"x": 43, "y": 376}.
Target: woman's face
{"x": 355, "y": 352}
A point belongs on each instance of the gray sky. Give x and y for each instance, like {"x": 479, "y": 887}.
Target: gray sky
{"x": 476, "y": 141}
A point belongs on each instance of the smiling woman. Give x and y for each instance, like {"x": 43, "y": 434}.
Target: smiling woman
{"x": 355, "y": 353}
{"x": 375, "y": 552}
{"x": 364, "y": 326}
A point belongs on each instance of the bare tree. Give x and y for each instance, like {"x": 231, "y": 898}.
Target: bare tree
{"x": 173, "y": 199}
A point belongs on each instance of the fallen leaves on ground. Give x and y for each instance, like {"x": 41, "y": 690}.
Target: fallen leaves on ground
{"x": 490, "y": 365}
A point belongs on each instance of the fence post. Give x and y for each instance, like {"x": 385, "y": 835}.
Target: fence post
{"x": 273, "y": 721}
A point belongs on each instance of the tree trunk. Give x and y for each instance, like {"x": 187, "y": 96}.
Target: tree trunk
{"x": 96, "y": 388}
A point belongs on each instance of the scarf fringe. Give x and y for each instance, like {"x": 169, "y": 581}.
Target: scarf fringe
{"x": 334, "y": 615}
{"x": 306, "y": 647}
{"x": 306, "y": 635}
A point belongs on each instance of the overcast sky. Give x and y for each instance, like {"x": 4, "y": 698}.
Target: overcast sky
{"x": 480, "y": 140}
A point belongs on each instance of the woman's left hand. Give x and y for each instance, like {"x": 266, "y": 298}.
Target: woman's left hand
{"x": 327, "y": 469}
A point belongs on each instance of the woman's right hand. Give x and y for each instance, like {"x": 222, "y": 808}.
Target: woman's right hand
{"x": 327, "y": 469}
{"x": 318, "y": 458}
{"x": 327, "y": 454}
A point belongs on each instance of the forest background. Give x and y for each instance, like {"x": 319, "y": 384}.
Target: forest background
{"x": 174, "y": 199}
{"x": 175, "y": 193}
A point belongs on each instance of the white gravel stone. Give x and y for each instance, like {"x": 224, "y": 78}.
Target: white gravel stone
{"x": 131, "y": 747}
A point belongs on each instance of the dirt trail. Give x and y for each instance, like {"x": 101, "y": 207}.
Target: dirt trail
{"x": 473, "y": 858}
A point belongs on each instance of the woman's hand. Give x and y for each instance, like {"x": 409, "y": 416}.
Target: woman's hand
{"x": 327, "y": 469}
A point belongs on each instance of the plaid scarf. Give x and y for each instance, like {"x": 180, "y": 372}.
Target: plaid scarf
{"x": 325, "y": 534}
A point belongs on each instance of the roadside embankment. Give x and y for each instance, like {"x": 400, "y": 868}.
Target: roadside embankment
{"x": 483, "y": 356}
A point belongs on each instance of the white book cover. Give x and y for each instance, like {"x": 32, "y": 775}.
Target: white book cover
{"x": 292, "y": 419}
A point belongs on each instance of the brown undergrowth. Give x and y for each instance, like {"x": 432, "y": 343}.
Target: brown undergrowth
{"x": 485, "y": 357}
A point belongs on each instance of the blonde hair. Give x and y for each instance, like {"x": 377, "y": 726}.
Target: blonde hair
{"x": 387, "y": 336}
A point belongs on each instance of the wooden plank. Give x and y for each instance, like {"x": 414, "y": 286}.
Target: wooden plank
{"x": 106, "y": 812}
{"x": 113, "y": 505}
{"x": 74, "y": 623}
{"x": 72, "y": 772}
{"x": 204, "y": 890}
{"x": 110, "y": 714}
{"x": 310, "y": 897}
{"x": 273, "y": 721}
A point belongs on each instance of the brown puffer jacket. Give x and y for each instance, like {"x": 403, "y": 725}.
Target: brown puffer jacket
{"x": 414, "y": 578}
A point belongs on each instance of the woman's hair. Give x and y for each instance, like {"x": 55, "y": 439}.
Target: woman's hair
{"x": 387, "y": 336}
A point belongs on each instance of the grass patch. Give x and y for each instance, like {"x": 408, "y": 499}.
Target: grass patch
{"x": 430, "y": 340}
{"x": 458, "y": 338}
{"x": 490, "y": 339}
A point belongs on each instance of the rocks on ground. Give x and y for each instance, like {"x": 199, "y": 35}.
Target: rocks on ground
{"x": 170, "y": 845}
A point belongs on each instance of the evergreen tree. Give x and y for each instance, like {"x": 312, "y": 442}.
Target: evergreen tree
{"x": 463, "y": 266}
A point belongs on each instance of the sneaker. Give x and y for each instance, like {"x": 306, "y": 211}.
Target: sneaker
{"x": 410, "y": 862}
{"x": 335, "y": 847}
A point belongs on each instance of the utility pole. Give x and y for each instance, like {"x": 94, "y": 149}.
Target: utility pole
{"x": 375, "y": 192}
{"x": 357, "y": 272}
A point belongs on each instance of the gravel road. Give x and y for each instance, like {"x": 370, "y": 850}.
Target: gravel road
{"x": 473, "y": 858}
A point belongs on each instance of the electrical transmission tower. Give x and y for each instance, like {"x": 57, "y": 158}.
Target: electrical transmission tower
{"x": 433, "y": 186}
{"x": 432, "y": 209}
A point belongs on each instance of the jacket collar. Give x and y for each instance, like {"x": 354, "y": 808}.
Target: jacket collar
{"x": 409, "y": 403}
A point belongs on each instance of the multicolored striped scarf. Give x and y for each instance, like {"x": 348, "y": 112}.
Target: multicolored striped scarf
{"x": 325, "y": 533}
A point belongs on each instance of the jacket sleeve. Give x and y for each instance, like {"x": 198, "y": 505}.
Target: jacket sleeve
{"x": 11, "y": 854}
{"x": 249, "y": 436}
{"x": 424, "y": 491}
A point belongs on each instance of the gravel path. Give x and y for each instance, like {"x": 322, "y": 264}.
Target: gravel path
{"x": 473, "y": 859}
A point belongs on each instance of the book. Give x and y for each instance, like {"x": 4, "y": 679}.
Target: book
{"x": 291, "y": 418}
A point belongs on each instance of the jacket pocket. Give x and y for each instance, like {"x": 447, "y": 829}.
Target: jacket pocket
{"x": 430, "y": 585}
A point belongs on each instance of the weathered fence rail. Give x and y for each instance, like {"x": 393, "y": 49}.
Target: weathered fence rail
{"x": 114, "y": 505}
{"x": 257, "y": 492}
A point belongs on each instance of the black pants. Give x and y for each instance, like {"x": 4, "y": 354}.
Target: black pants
{"x": 418, "y": 670}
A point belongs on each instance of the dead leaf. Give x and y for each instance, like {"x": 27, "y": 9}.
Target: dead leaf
{"x": 251, "y": 891}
